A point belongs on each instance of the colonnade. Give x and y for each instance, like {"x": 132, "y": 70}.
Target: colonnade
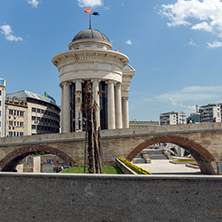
{"x": 118, "y": 114}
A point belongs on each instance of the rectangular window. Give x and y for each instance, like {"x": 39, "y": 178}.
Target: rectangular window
{"x": 18, "y": 113}
{"x": 33, "y": 109}
{"x": 0, "y": 92}
{"x": 21, "y": 134}
{"x": 38, "y": 110}
{"x": 10, "y": 112}
{"x": 14, "y": 123}
{"x": 10, "y": 123}
{"x": 33, "y": 126}
{"x": 10, "y": 133}
{"x": 17, "y": 123}
{"x": 14, "y": 133}
{"x": 21, "y": 113}
{"x": 17, "y": 133}
{"x": 21, "y": 124}
{"x": 33, "y": 118}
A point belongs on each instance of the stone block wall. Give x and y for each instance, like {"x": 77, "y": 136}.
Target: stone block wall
{"x": 109, "y": 198}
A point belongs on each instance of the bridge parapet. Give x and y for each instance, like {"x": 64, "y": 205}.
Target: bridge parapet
{"x": 203, "y": 141}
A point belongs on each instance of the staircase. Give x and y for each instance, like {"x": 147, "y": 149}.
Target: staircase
{"x": 156, "y": 154}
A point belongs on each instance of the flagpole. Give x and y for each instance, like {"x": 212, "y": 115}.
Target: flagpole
{"x": 90, "y": 19}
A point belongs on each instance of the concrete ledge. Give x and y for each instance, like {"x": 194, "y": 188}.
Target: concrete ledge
{"x": 125, "y": 169}
{"x": 109, "y": 198}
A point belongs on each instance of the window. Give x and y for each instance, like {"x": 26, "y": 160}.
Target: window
{"x": 14, "y": 133}
{"x": 17, "y": 123}
{"x": 33, "y": 118}
{"x": 33, "y": 109}
{"x": 10, "y": 112}
{"x": 21, "y": 113}
{"x": 18, "y": 113}
{"x": 33, "y": 126}
{"x": 0, "y": 102}
{"x": 38, "y": 110}
{"x": 21, "y": 124}
{"x": 21, "y": 134}
{"x": 10, "y": 123}
{"x": 10, "y": 133}
{"x": 17, "y": 133}
{"x": 14, "y": 123}
{"x": 0, "y": 92}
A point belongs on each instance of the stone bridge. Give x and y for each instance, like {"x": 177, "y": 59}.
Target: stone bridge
{"x": 203, "y": 141}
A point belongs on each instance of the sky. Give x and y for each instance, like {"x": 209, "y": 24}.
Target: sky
{"x": 175, "y": 46}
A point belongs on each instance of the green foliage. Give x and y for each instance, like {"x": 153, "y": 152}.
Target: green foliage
{"x": 135, "y": 168}
{"x": 105, "y": 169}
{"x": 39, "y": 153}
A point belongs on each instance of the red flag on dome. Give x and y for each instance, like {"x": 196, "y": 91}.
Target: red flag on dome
{"x": 87, "y": 10}
{"x": 117, "y": 50}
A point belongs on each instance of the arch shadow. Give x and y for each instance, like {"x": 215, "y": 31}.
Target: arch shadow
{"x": 9, "y": 162}
{"x": 202, "y": 156}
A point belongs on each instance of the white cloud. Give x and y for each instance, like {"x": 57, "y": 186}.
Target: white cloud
{"x": 186, "y": 98}
{"x": 90, "y": 3}
{"x": 129, "y": 42}
{"x": 205, "y": 15}
{"x": 7, "y": 32}
{"x": 191, "y": 94}
{"x": 202, "y": 26}
{"x": 215, "y": 44}
{"x": 192, "y": 43}
{"x": 34, "y": 3}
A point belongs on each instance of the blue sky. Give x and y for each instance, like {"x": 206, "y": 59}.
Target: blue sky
{"x": 175, "y": 47}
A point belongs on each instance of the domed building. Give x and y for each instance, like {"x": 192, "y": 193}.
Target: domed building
{"x": 91, "y": 58}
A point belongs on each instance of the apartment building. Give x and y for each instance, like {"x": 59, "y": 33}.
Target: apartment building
{"x": 172, "y": 118}
{"x": 210, "y": 113}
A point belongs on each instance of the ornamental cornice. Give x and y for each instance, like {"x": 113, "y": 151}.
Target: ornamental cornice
{"x": 109, "y": 56}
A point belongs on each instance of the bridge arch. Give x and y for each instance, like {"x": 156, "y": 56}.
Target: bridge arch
{"x": 202, "y": 156}
{"x": 9, "y": 162}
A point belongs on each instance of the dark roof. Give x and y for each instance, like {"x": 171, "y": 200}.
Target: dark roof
{"x": 90, "y": 34}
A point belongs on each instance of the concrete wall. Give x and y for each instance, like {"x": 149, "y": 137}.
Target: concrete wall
{"x": 109, "y": 198}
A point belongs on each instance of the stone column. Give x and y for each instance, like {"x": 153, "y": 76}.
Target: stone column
{"x": 95, "y": 88}
{"x": 61, "y": 112}
{"x": 111, "y": 106}
{"x": 125, "y": 112}
{"x": 78, "y": 102}
{"x": 119, "y": 119}
{"x": 66, "y": 108}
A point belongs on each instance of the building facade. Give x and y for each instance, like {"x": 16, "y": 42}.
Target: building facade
{"x": 210, "y": 113}
{"x": 91, "y": 58}
{"x": 28, "y": 113}
{"x": 2, "y": 106}
{"x": 172, "y": 118}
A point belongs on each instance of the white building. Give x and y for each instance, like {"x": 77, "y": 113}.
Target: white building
{"x": 210, "y": 112}
{"x": 91, "y": 58}
{"x": 172, "y": 118}
{"x": 2, "y": 106}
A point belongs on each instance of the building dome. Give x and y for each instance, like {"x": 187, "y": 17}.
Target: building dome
{"x": 90, "y": 34}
